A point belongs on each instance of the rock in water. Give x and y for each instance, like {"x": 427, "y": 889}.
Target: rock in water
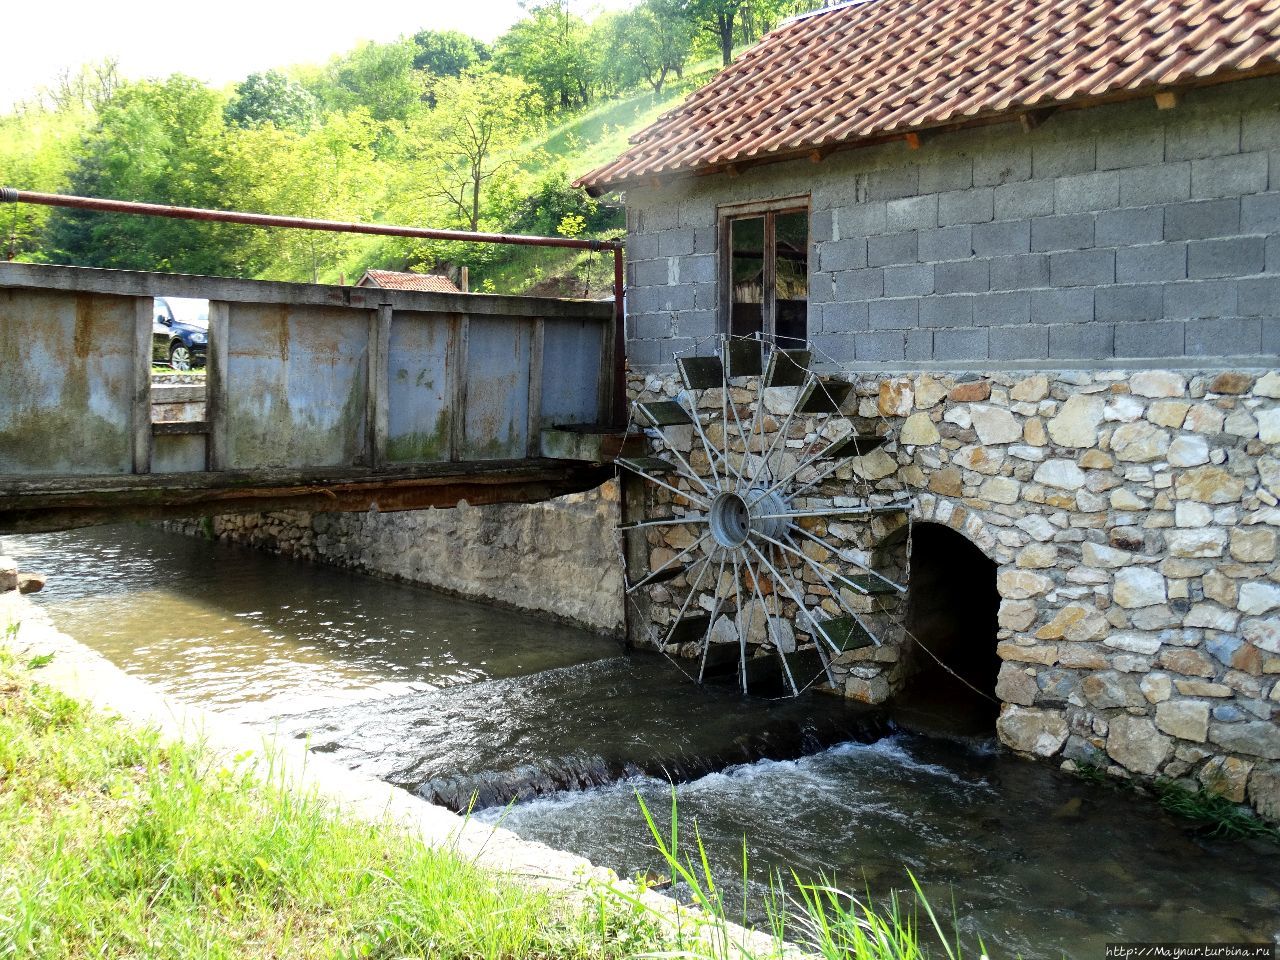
{"x": 30, "y": 582}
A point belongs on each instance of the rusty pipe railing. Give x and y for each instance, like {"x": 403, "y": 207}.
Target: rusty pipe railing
{"x": 11, "y": 195}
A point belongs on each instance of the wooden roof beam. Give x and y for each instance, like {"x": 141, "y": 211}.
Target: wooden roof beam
{"x": 1031, "y": 119}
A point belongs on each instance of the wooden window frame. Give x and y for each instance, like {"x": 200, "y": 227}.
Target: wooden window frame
{"x": 770, "y": 209}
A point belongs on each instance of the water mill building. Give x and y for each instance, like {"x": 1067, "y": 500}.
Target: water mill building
{"x": 1040, "y": 243}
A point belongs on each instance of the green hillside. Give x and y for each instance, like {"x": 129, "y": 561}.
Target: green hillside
{"x": 574, "y": 146}
{"x": 436, "y": 129}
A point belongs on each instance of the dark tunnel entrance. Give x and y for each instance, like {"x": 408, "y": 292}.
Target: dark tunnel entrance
{"x": 952, "y": 607}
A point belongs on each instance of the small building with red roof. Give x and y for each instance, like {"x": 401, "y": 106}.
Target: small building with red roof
{"x": 401, "y": 280}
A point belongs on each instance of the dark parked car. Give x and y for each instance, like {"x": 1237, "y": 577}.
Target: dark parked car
{"x": 180, "y": 332}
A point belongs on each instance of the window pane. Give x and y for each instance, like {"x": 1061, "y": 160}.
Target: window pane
{"x": 746, "y": 273}
{"x": 792, "y": 283}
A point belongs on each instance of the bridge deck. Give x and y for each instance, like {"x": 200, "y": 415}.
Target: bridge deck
{"x": 64, "y": 503}
{"x": 318, "y": 397}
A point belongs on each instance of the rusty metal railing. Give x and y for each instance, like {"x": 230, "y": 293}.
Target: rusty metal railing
{"x": 11, "y": 195}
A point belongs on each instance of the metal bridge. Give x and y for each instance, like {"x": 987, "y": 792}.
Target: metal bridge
{"x": 317, "y": 398}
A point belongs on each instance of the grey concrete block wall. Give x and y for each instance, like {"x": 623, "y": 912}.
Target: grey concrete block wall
{"x": 1105, "y": 236}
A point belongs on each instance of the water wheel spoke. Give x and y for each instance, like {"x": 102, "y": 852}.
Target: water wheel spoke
{"x": 713, "y": 455}
{"x": 715, "y": 613}
{"x": 799, "y": 602}
{"x": 645, "y": 581}
{"x": 869, "y": 583}
{"x": 688, "y": 629}
{"x": 664, "y": 522}
{"x": 743, "y": 628}
{"x": 822, "y": 574}
{"x": 651, "y": 467}
{"x": 664, "y": 414}
{"x": 861, "y": 510}
{"x": 817, "y": 645}
{"x": 836, "y": 596}
{"x": 771, "y": 630}
{"x": 781, "y": 435}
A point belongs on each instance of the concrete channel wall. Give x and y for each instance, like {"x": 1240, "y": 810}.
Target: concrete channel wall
{"x": 1071, "y": 335}
{"x": 559, "y": 558}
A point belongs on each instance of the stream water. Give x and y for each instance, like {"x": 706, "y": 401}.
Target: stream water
{"x": 554, "y": 731}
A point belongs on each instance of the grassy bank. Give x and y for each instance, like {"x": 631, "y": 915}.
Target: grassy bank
{"x": 113, "y": 844}
{"x": 116, "y": 844}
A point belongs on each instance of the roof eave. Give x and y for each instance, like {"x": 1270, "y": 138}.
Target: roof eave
{"x": 596, "y": 187}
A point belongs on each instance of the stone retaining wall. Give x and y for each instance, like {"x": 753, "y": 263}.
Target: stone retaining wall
{"x": 558, "y": 558}
{"x": 1133, "y": 518}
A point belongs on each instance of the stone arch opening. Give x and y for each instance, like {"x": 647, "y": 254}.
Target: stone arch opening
{"x": 952, "y": 609}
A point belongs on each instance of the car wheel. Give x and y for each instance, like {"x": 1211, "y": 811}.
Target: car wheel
{"x": 179, "y": 356}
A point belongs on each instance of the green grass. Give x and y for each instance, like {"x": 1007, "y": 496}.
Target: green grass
{"x": 823, "y": 920}
{"x": 168, "y": 371}
{"x": 1218, "y": 815}
{"x": 597, "y": 135}
{"x": 116, "y": 844}
{"x": 1204, "y": 807}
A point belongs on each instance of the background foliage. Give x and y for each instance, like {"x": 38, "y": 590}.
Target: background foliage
{"x": 437, "y": 129}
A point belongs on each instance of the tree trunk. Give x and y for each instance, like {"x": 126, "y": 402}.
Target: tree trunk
{"x": 725, "y": 26}
{"x": 658, "y": 83}
{"x": 475, "y": 200}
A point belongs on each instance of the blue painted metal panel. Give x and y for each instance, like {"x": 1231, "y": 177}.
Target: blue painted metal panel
{"x": 496, "y": 424}
{"x": 296, "y": 386}
{"x": 419, "y": 411}
{"x": 66, "y": 383}
{"x": 571, "y": 364}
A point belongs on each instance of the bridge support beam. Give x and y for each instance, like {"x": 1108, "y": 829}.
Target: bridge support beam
{"x": 45, "y": 504}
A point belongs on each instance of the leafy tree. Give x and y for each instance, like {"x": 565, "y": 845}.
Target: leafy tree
{"x": 447, "y": 53}
{"x": 758, "y": 17}
{"x": 716, "y": 17}
{"x": 466, "y": 148}
{"x": 376, "y": 76}
{"x": 89, "y": 87}
{"x": 270, "y": 97}
{"x": 331, "y": 172}
{"x": 651, "y": 42}
{"x": 154, "y": 141}
{"x": 551, "y": 50}
{"x": 37, "y": 150}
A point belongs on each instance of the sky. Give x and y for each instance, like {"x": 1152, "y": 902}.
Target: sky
{"x": 221, "y": 41}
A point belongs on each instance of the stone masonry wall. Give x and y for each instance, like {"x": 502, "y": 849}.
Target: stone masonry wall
{"x": 1133, "y": 517}
{"x": 557, "y": 558}
{"x": 1116, "y": 232}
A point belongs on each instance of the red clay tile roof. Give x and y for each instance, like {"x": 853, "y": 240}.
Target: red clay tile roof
{"x": 395, "y": 280}
{"x": 866, "y": 71}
